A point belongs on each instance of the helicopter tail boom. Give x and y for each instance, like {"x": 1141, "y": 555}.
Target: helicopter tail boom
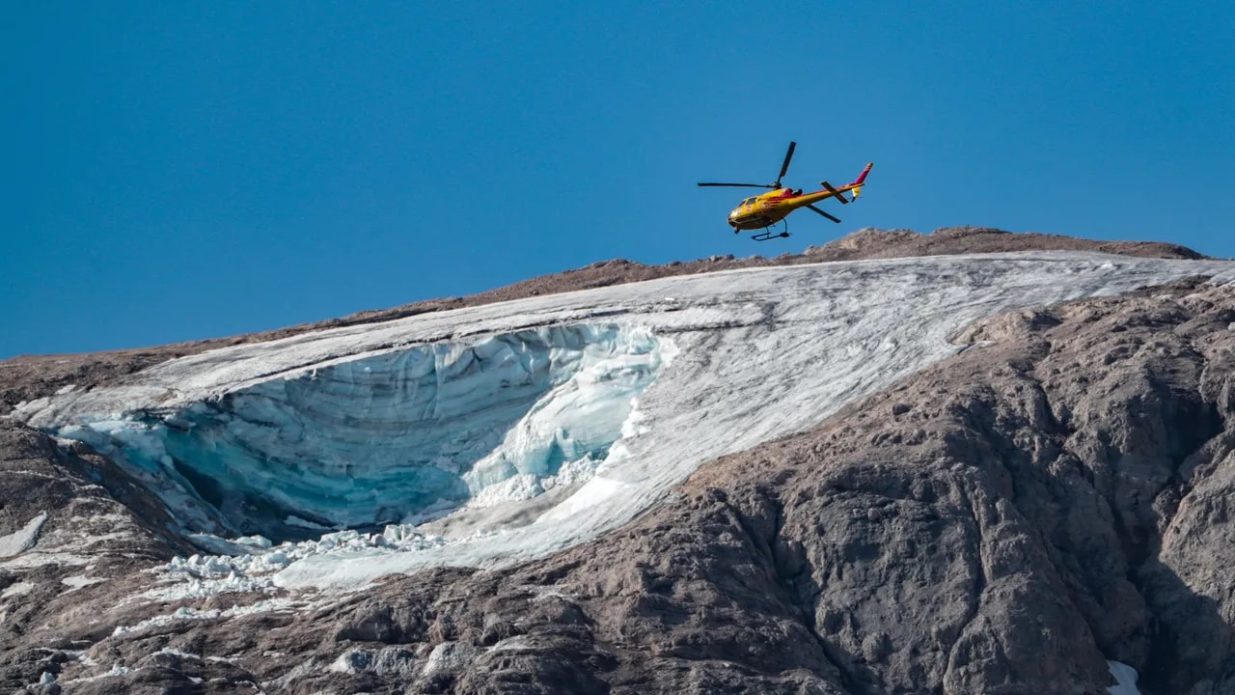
{"x": 858, "y": 182}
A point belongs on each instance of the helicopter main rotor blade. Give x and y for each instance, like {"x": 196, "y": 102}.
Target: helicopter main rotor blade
{"x": 740, "y": 185}
{"x": 821, "y": 212}
{"x": 784, "y": 168}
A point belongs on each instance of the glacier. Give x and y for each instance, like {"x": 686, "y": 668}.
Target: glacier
{"x": 570, "y": 415}
{"x": 401, "y": 436}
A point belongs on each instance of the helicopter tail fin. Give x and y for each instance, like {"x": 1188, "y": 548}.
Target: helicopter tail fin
{"x": 858, "y": 182}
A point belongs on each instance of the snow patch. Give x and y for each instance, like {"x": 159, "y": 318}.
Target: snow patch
{"x": 171, "y": 651}
{"x": 17, "y": 589}
{"x": 187, "y": 613}
{"x": 1125, "y": 679}
{"x": 254, "y": 564}
{"x": 23, "y": 539}
{"x": 79, "y": 581}
{"x": 35, "y": 558}
{"x": 116, "y": 671}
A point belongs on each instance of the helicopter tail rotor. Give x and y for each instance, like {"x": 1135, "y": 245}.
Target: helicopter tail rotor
{"x": 857, "y": 183}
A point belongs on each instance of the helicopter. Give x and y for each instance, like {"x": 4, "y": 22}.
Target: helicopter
{"x": 766, "y": 209}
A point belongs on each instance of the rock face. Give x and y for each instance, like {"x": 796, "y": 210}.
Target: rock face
{"x": 1056, "y": 495}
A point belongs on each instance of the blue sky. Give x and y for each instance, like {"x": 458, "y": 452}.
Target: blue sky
{"x": 184, "y": 170}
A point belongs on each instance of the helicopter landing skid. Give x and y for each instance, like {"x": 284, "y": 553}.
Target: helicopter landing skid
{"x": 767, "y": 234}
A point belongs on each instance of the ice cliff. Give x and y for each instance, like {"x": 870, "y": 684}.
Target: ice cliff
{"x": 399, "y": 437}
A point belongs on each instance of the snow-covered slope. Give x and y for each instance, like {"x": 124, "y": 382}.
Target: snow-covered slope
{"x": 528, "y": 426}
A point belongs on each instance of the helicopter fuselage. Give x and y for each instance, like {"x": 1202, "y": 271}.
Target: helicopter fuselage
{"x": 765, "y": 210}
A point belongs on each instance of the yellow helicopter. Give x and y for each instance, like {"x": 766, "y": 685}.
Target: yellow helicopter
{"x": 766, "y": 209}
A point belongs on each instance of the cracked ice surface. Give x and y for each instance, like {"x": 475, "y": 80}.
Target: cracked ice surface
{"x": 760, "y": 353}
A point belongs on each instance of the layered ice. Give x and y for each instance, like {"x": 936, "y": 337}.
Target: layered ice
{"x": 756, "y": 354}
{"x": 404, "y": 435}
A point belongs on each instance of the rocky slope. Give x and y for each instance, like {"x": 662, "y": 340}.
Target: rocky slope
{"x": 1004, "y": 521}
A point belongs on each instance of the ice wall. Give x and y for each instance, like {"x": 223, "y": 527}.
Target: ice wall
{"x": 396, "y": 437}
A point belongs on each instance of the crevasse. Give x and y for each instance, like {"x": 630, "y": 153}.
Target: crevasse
{"x": 401, "y": 436}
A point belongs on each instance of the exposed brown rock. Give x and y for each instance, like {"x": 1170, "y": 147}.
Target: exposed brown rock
{"x": 876, "y": 243}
